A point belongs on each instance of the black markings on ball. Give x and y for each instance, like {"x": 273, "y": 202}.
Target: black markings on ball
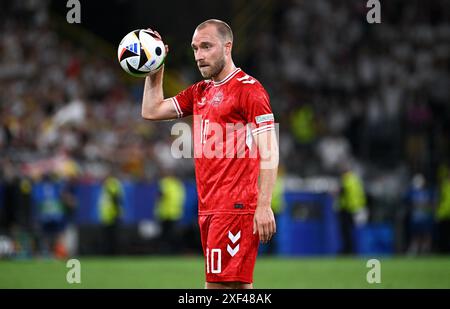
{"x": 158, "y": 51}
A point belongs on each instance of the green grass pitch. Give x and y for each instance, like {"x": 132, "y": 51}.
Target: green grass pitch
{"x": 187, "y": 273}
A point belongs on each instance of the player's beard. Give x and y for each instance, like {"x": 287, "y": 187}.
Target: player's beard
{"x": 214, "y": 70}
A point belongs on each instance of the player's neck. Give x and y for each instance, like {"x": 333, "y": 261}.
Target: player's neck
{"x": 227, "y": 69}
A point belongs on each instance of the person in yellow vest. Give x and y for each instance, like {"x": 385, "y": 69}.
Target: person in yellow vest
{"x": 169, "y": 210}
{"x": 443, "y": 212}
{"x": 111, "y": 201}
{"x": 352, "y": 208}
{"x": 303, "y": 125}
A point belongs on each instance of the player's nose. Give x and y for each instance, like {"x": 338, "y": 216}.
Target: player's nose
{"x": 199, "y": 59}
{"x": 199, "y": 56}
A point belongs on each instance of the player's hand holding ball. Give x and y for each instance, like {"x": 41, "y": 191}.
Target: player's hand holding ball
{"x": 142, "y": 52}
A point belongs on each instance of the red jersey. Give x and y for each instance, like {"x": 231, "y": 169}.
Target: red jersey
{"x": 227, "y": 114}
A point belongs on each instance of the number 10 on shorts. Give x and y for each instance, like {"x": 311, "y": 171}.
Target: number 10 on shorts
{"x": 214, "y": 260}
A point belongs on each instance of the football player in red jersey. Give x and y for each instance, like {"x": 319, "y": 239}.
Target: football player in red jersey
{"x": 234, "y": 185}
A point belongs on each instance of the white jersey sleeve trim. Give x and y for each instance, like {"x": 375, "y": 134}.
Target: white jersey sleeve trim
{"x": 176, "y": 105}
{"x": 265, "y": 128}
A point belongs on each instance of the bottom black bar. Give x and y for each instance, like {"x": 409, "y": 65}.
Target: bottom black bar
{"x": 208, "y": 298}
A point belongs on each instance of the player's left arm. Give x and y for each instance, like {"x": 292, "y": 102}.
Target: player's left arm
{"x": 264, "y": 219}
{"x": 255, "y": 103}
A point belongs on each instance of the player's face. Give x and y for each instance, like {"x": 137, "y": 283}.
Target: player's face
{"x": 209, "y": 51}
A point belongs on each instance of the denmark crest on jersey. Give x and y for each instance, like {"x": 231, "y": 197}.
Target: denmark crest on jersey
{"x": 217, "y": 99}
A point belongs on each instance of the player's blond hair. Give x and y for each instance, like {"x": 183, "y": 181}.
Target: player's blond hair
{"x": 222, "y": 27}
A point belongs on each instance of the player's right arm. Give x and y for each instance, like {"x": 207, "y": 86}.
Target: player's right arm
{"x": 154, "y": 106}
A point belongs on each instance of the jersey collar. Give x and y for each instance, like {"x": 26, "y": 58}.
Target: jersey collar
{"x": 227, "y": 78}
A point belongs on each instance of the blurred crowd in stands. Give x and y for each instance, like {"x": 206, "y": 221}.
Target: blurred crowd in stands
{"x": 373, "y": 97}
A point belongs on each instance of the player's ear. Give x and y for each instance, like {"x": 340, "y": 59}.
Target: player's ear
{"x": 228, "y": 47}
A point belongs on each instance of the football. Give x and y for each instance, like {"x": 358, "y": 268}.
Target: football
{"x": 141, "y": 52}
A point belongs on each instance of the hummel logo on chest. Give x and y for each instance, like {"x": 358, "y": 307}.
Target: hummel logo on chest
{"x": 203, "y": 102}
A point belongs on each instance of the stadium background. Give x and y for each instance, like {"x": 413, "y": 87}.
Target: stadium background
{"x": 373, "y": 98}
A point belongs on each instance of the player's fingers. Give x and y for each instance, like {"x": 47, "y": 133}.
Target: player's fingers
{"x": 255, "y": 228}
{"x": 263, "y": 232}
{"x": 167, "y": 48}
{"x": 267, "y": 230}
{"x": 261, "y": 236}
{"x": 157, "y": 33}
{"x": 272, "y": 228}
{"x": 260, "y": 231}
